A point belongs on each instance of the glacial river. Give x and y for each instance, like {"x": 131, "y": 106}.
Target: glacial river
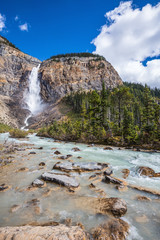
{"x": 55, "y": 203}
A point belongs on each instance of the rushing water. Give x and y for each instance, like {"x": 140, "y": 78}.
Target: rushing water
{"x": 32, "y": 96}
{"x": 57, "y": 204}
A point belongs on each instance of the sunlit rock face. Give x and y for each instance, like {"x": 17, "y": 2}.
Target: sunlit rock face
{"x": 69, "y": 74}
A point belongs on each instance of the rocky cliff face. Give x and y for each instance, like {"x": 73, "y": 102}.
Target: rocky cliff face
{"x": 15, "y": 67}
{"x": 58, "y": 76}
{"x": 61, "y": 76}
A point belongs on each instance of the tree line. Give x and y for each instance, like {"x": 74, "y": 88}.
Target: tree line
{"x": 128, "y": 114}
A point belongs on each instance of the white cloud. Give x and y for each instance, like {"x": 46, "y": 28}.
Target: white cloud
{"x": 24, "y": 27}
{"x": 129, "y": 36}
{"x": 2, "y": 22}
{"x": 16, "y": 18}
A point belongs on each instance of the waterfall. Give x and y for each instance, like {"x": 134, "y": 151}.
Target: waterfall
{"x": 32, "y": 97}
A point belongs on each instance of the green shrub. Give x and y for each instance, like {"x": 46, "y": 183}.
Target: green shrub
{"x": 4, "y": 128}
{"x": 17, "y": 133}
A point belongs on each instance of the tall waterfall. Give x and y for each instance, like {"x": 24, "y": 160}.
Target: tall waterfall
{"x": 32, "y": 96}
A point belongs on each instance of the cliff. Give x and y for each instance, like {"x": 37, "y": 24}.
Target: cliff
{"x": 15, "y": 67}
{"x": 58, "y": 76}
{"x": 63, "y": 75}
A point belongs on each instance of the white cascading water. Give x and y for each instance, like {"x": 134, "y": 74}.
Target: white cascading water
{"x": 32, "y": 96}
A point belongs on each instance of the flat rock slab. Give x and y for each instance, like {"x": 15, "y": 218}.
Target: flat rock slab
{"x": 81, "y": 166}
{"x": 60, "y": 232}
{"x": 61, "y": 179}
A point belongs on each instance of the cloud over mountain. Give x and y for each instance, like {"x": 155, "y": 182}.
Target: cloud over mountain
{"x": 130, "y": 40}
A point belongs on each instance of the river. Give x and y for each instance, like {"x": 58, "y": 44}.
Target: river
{"x": 55, "y": 203}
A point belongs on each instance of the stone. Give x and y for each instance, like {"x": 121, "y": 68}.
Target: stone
{"x": 142, "y": 219}
{"x": 146, "y": 171}
{"x": 23, "y": 169}
{"x": 3, "y": 187}
{"x": 40, "y": 148}
{"x": 32, "y": 153}
{"x": 80, "y": 166}
{"x": 126, "y": 173}
{"x": 76, "y": 149}
{"x": 110, "y": 179}
{"x": 57, "y": 152}
{"x": 107, "y": 148}
{"x": 108, "y": 172}
{"x": 37, "y": 183}
{"x": 42, "y": 164}
{"x": 92, "y": 185}
{"x": 116, "y": 206}
{"x": 60, "y": 232}
{"x": 113, "y": 229}
{"x": 61, "y": 179}
{"x": 143, "y": 198}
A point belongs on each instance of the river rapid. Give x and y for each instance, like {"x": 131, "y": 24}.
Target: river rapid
{"x": 56, "y": 203}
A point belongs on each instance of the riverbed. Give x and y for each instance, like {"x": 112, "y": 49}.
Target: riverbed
{"x": 57, "y": 203}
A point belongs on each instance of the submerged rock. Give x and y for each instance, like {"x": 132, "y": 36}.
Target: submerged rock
{"x": 108, "y": 171}
{"x": 143, "y": 198}
{"x": 107, "y": 148}
{"x": 113, "y": 229}
{"x": 32, "y": 153}
{"x": 60, "y": 232}
{"x": 61, "y": 179}
{"x": 42, "y": 164}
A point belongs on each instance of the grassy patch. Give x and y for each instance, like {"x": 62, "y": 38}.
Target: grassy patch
{"x": 4, "y": 128}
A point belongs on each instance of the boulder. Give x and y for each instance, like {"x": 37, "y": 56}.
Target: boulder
{"x": 116, "y": 206}
{"x": 61, "y": 179}
{"x": 37, "y": 183}
{"x": 57, "y": 152}
{"x": 76, "y": 149}
{"x": 42, "y": 164}
{"x": 143, "y": 198}
{"x": 126, "y": 173}
{"x": 60, "y": 232}
{"x": 107, "y": 148}
{"x": 114, "y": 229}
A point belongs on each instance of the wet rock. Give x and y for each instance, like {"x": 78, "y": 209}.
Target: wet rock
{"x": 60, "y": 232}
{"x": 143, "y": 198}
{"x": 76, "y": 149}
{"x": 108, "y": 172}
{"x": 110, "y": 179}
{"x": 156, "y": 175}
{"x": 57, "y": 152}
{"x": 37, "y": 183}
{"x": 116, "y": 206}
{"x": 3, "y": 187}
{"x": 126, "y": 173}
{"x": 79, "y": 157}
{"x": 92, "y": 185}
{"x": 68, "y": 222}
{"x": 42, "y": 164}
{"x": 32, "y": 153}
{"x": 107, "y": 148}
{"x": 69, "y": 155}
{"x": 63, "y": 157}
{"x": 61, "y": 179}
{"x": 81, "y": 166}
{"x": 146, "y": 171}
{"x": 145, "y": 189}
{"x": 114, "y": 229}
{"x": 40, "y": 148}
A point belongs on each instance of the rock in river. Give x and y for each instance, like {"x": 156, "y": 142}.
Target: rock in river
{"x": 80, "y": 166}
{"x": 37, "y": 183}
{"x": 61, "y": 179}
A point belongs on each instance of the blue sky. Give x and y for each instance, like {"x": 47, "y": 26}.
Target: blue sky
{"x": 45, "y": 28}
